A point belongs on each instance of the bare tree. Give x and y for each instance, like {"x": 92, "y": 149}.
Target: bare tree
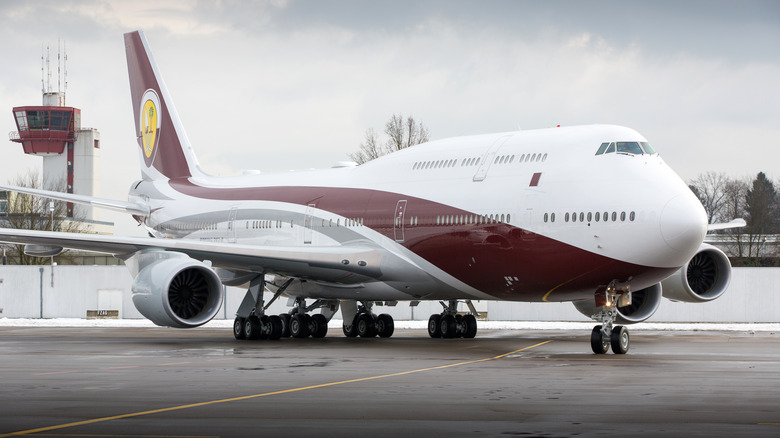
{"x": 401, "y": 133}
{"x": 369, "y": 149}
{"x": 734, "y": 207}
{"x": 710, "y": 187}
{"x": 29, "y": 212}
{"x": 404, "y": 133}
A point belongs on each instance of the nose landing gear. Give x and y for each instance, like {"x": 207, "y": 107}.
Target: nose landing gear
{"x": 607, "y": 334}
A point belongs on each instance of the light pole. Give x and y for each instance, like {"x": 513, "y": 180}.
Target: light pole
{"x": 51, "y": 210}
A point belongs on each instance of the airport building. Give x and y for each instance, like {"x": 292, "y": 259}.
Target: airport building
{"x": 70, "y": 153}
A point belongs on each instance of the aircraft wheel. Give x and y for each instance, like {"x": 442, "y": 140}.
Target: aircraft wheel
{"x": 318, "y": 326}
{"x": 470, "y": 321}
{"x": 366, "y": 325}
{"x": 299, "y": 326}
{"x": 350, "y": 330}
{"x": 276, "y": 327}
{"x": 619, "y": 339}
{"x": 385, "y": 325}
{"x": 265, "y": 327}
{"x": 598, "y": 343}
{"x": 238, "y": 328}
{"x": 449, "y": 326}
{"x": 253, "y": 327}
{"x": 434, "y": 330}
{"x": 285, "y": 317}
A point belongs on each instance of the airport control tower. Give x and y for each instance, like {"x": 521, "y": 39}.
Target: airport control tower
{"x": 70, "y": 152}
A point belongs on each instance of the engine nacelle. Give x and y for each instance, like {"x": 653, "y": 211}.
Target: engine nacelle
{"x": 704, "y": 278}
{"x": 177, "y": 291}
{"x": 42, "y": 250}
{"x": 643, "y": 305}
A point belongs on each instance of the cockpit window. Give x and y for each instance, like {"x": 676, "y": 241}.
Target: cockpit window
{"x": 629, "y": 147}
{"x": 626, "y": 147}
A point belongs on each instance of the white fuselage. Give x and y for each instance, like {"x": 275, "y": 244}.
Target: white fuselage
{"x": 530, "y": 196}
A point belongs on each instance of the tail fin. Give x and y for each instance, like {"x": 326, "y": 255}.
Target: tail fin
{"x": 165, "y": 149}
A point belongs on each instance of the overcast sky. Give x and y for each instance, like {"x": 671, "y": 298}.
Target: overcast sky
{"x": 283, "y": 85}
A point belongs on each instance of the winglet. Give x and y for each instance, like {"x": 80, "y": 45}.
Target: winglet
{"x": 165, "y": 149}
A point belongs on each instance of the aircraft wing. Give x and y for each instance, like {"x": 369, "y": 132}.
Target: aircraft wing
{"x": 124, "y": 206}
{"x": 736, "y": 223}
{"x": 344, "y": 263}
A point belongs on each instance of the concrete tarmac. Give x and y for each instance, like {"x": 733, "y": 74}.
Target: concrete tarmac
{"x": 157, "y": 382}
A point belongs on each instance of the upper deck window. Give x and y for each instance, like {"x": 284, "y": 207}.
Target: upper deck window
{"x": 626, "y": 147}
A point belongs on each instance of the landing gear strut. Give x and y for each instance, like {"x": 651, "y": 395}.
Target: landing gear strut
{"x": 449, "y": 324}
{"x": 607, "y": 334}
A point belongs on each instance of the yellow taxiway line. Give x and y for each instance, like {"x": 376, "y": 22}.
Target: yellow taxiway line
{"x": 265, "y": 394}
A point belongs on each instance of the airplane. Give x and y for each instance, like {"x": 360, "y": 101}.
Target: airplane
{"x": 585, "y": 214}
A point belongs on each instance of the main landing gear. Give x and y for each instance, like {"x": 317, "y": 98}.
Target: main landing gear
{"x": 607, "y": 334}
{"x": 363, "y": 322}
{"x": 252, "y": 323}
{"x": 449, "y": 324}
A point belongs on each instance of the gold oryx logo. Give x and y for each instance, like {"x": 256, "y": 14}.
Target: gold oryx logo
{"x": 150, "y": 122}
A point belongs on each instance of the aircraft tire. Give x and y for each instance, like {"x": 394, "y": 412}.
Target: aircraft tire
{"x": 366, "y": 325}
{"x": 238, "y": 328}
{"x": 253, "y": 327}
{"x": 318, "y": 326}
{"x": 434, "y": 330}
{"x": 598, "y": 343}
{"x": 350, "y": 331}
{"x": 385, "y": 325}
{"x": 299, "y": 326}
{"x": 285, "y": 317}
{"x": 470, "y": 321}
{"x": 277, "y": 327}
{"x": 449, "y": 327}
{"x": 265, "y": 328}
{"x": 619, "y": 339}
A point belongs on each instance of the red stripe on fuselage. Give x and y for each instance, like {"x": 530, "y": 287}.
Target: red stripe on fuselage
{"x": 498, "y": 259}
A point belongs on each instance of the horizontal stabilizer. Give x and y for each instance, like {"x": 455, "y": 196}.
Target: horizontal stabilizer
{"x": 124, "y": 206}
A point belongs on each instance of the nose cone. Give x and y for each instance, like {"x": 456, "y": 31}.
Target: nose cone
{"x": 684, "y": 224}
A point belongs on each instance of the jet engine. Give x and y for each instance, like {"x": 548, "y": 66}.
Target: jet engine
{"x": 704, "y": 278}
{"x": 177, "y": 291}
{"x": 644, "y": 303}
